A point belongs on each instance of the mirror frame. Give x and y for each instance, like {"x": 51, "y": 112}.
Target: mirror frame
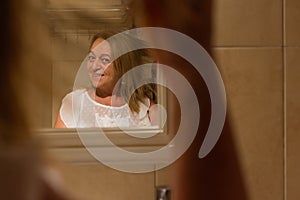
{"x": 65, "y": 144}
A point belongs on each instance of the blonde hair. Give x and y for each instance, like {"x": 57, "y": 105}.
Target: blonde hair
{"x": 126, "y": 62}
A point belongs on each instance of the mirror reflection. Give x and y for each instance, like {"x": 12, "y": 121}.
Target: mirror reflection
{"x": 61, "y": 56}
{"x": 102, "y": 95}
{"x": 85, "y": 69}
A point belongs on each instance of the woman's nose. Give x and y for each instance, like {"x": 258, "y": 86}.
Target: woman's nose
{"x": 98, "y": 64}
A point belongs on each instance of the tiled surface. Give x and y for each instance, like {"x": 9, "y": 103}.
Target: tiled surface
{"x": 293, "y": 122}
{"x": 292, "y": 22}
{"x": 100, "y": 182}
{"x": 163, "y": 177}
{"x": 247, "y": 23}
{"x": 253, "y": 81}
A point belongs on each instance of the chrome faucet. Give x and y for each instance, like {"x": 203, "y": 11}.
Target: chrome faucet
{"x": 163, "y": 193}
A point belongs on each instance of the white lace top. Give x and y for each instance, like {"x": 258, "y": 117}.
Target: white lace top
{"x": 80, "y": 110}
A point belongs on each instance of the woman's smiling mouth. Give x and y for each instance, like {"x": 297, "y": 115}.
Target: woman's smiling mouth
{"x": 97, "y": 73}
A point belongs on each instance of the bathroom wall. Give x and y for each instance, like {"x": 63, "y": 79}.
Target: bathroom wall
{"x": 96, "y": 181}
{"x": 255, "y": 44}
{"x": 247, "y": 45}
{"x": 86, "y": 179}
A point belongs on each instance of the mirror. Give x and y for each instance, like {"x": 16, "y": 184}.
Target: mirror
{"x": 71, "y": 27}
{"x": 57, "y": 43}
{"x": 51, "y": 69}
{"x": 60, "y": 45}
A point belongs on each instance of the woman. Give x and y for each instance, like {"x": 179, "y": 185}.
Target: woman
{"x": 98, "y": 105}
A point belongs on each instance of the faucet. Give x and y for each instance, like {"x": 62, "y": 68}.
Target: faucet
{"x": 163, "y": 193}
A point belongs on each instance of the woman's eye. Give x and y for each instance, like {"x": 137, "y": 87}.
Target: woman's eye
{"x": 105, "y": 60}
{"x": 91, "y": 58}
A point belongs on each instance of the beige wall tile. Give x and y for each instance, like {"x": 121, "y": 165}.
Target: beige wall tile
{"x": 163, "y": 177}
{"x": 293, "y": 122}
{"x": 100, "y": 182}
{"x": 292, "y": 22}
{"x": 253, "y": 81}
{"x": 247, "y": 23}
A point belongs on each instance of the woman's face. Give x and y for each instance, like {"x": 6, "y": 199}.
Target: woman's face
{"x": 100, "y": 68}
